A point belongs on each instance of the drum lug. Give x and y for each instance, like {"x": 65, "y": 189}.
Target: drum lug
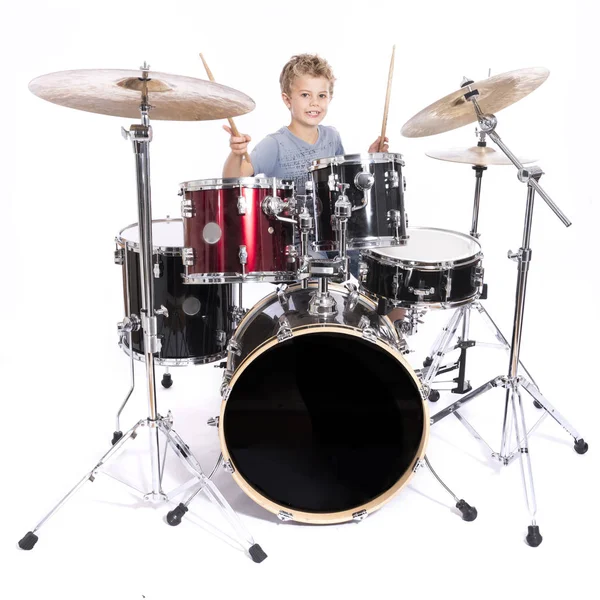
{"x": 189, "y": 257}
{"x": 361, "y": 515}
{"x": 418, "y": 465}
{"x": 353, "y": 296}
{"x": 367, "y": 331}
{"x": 282, "y": 297}
{"x": 331, "y": 182}
{"x": 285, "y": 330}
{"x": 283, "y": 515}
{"x": 213, "y": 422}
{"x": 477, "y": 276}
{"x": 234, "y": 347}
{"x": 225, "y": 389}
{"x": 291, "y": 252}
{"x": 119, "y": 256}
{"x": 392, "y": 179}
{"x": 221, "y": 337}
{"x": 187, "y": 208}
{"x": 243, "y": 255}
{"x": 242, "y": 205}
{"x": 448, "y": 283}
{"x": 228, "y": 466}
{"x": 397, "y": 281}
{"x": 129, "y": 324}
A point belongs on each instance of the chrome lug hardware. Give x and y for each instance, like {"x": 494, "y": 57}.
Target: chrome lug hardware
{"x": 156, "y": 270}
{"x": 187, "y": 208}
{"x": 283, "y": 515}
{"x": 213, "y": 422}
{"x": 515, "y": 255}
{"x": 392, "y": 179}
{"x": 129, "y": 324}
{"x": 361, "y": 515}
{"x": 119, "y": 256}
{"x": 241, "y": 205}
{"x": 228, "y": 466}
{"x": 189, "y": 257}
{"x": 243, "y": 255}
{"x": 364, "y": 180}
{"x": 417, "y": 466}
{"x": 234, "y": 347}
{"x": 285, "y": 329}
{"x": 421, "y": 291}
{"x": 221, "y": 337}
{"x": 162, "y": 311}
{"x": 282, "y": 297}
{"x": 331, "y": 181}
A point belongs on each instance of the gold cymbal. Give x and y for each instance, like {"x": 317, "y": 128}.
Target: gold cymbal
{"x": 482, "y": 156}
{"x": 119, "y": 92}
{"x": 495, "y": 93}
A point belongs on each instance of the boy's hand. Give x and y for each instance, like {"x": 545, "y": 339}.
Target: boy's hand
{"x": 238, "y": 144}
{"x": 374, "y": 147}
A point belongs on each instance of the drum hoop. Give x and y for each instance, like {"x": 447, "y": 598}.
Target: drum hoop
{"x": 341, "y": 516}
{"x": 175, "y": 362}
{"x": 426, "y": 265}
{"x": 135, "y": 246}
{"x": 364, "y": 158}
{"x": 227, "y": 183}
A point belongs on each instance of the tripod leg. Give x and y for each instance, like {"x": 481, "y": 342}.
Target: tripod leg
{"x": 469, "y": 513}
{"x": 438, "y": 344}
{"x": 581, "y": 447}
{"x": 174, "y": 516}
{"x": 214, "y": 495}
{"x": 533, "y": 537}
{"x": 30, "y": 538}
{"x": 447, "y": 337}
{"x": 118, "y": 434}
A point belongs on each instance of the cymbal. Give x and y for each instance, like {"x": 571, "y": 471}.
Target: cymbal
{"x": 482, "y": 156}
{"x": 495, "y": 93}
{"x": 118, "y": 93}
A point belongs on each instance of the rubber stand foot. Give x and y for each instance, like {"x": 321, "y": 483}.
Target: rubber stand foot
{"x": 174, "y": 516}
{"x": 257, "y": 554}
{"x": 537, "y": 404}
{"x": 28, "y": 541}
{"x": 167, "y": 380}
{"x": 534, "y": 538}
{"x": 434, "y": 395}
{"x": 117, "y": 435}
{"x": 469, "y": 513}
{"x": 581, "y": 446}
{"x": 428, "y": 361}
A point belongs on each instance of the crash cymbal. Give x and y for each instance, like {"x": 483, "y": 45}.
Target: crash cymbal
{"x": 482, "y": 156}
{"x": 118, "y": 93}
{"x": 495, "y": 93}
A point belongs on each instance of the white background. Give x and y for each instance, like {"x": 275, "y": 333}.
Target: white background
{"x": 68, "y": 187}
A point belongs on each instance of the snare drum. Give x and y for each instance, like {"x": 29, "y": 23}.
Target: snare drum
{"x": 322, "y": 419}
{"x": 375, "y": 188}
{"x": 239, "y": 229}
{"x": 436, "y": 268}
{"x": 199, "y": 323}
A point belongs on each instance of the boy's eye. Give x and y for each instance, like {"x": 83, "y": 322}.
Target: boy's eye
{"x": 304, "y": 95}
{"x": 323, "y": 96}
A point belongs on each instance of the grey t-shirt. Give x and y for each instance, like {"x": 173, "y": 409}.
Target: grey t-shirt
{"x": 283, "y": 155}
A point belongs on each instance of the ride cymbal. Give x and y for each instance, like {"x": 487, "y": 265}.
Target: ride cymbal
{"x": 495, "y": 93}
{"x": 119, "y": 92}
{"x": 482, "y": 156}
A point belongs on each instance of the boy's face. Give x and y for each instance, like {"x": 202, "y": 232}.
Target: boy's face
{"x": 308, "y": 100}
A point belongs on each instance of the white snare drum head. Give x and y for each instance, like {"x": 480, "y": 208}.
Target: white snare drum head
{"x": 165, "y": 234}
{"x": 428, "y": 245}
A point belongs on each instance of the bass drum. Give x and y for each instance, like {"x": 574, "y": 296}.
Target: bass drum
{"x": 322, "y": 419}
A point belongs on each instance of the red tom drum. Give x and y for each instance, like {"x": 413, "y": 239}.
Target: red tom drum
{"x": 239, "y": 229}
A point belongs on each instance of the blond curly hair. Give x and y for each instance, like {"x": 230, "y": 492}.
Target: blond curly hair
{"x": 305, "y": 64}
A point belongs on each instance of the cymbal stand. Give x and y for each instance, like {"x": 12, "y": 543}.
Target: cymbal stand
{"x": 513, "y": 382}
{"x": 443, "y": 343}
{"x": 141, "y": 136}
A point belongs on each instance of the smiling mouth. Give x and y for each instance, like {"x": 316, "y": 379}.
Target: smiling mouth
{"x": 313, "y": 113}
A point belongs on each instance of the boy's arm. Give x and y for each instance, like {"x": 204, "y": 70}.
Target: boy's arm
{"x": 236, "y": 166}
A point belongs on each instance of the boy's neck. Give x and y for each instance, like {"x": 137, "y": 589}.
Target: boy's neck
{"x": 307, "y": 133}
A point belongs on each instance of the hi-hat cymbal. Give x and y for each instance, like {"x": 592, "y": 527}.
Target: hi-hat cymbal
{"x": 481, "y": 156}
{"x": 118, "y": 93}
{"x": 495, "y": 93}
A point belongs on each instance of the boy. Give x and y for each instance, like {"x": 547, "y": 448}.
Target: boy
{"x": 306, "y": 83}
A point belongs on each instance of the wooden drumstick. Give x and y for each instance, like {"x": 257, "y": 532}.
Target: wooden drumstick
{"x": 234, "y": 129}
{"x": 387, "y": 100}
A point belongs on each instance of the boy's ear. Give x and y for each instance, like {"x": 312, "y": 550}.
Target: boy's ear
{"x": 286, "y": 99}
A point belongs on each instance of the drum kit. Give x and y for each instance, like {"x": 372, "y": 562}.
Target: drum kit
{"x": 294, "y": 437}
